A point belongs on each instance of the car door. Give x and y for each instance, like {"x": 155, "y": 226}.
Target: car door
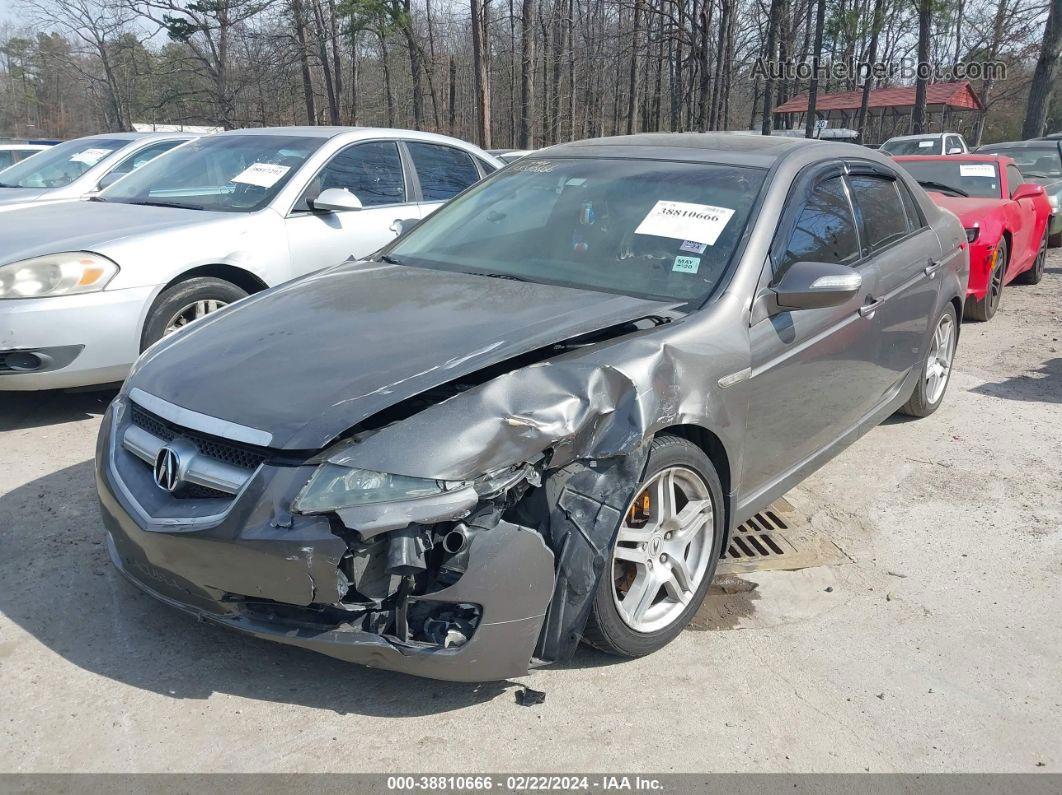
{"x": 1026, "y": 242}
{"x": 906, "y": 256}
{"x": 814, "y": 372}
{"x": 373, "y": 172}
{"x": 440, "y": 172}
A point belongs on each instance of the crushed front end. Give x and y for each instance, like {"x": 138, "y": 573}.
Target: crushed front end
{"x": 447, "y": 585}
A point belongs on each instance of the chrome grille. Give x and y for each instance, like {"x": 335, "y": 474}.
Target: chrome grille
{"x": 242, "y": 456}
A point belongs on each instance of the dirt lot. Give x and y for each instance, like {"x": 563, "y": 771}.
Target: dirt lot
{"x": 931, "y": 642}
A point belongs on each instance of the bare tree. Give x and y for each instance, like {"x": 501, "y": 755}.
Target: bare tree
{"x": 1044, "y": 77}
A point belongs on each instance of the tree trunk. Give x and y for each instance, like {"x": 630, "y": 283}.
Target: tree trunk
{"x": 298, "y": 16}
{"x": 767, "y": 123}
{"x": 527, "y": 74}
{"x": 632, "y": 83}
{"x": 872, "y": 54}
{"x": 918, "y": 114}
{"x": 1043, "y": 82}
{"x": 479, "y": 64}
{"x": 813, "y": 89}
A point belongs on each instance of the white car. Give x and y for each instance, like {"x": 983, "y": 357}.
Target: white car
{"x": 14, "y": 153}
{"x": 86, "y": 286}
{"x": 945, "y": 143}
{"x": 80, "y": 168}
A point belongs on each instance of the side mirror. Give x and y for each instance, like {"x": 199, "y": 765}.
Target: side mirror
{"x": 402, "y": 225}
{"x": 812, "y": 285}
{"x": 335, "y": 200}
{"x": 955, "y": 150}
{"x": 109, "y": 179}
{"x": 1027, "y": 190}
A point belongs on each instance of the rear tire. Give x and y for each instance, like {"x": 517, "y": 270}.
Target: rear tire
{"x": 1036, "y": 272}
{"x": 677, "y": 557}
{"x": 184, "y": 302}
{"x": 985, "y": 309}
{"x": 940, "y": 355}
{"x": 1055, "y": 240}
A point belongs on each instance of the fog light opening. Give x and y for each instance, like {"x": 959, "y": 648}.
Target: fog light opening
{"x": 25, "y": 361}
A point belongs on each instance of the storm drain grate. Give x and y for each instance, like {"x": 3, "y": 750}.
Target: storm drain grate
{"x": 758, "y": 537}
{"x": 778, "y": 537}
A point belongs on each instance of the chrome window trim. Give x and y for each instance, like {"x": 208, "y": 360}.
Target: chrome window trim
{"x": 204, "y": 423}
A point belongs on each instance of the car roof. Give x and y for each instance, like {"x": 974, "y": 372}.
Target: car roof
{"x": 332, "y": 132}
{"x": 976, "y": 158}
{"x": 921, "y": 135}
{"x": 1035, "y": 143}
{"x": 749, "y": 149}
{"x": 24, "y": 146}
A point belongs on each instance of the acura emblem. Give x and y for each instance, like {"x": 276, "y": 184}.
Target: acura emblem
{"x": 166, "y": 467}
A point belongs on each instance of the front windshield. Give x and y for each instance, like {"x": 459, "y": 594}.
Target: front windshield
{"x": 912, "y": 146}
{"x": 956, "y": 176}
{"x": 1041, "y": 162}
{"x": 59, "y": 165}
{"x": 228, "y": 173}
{"x": 646, "y": 228}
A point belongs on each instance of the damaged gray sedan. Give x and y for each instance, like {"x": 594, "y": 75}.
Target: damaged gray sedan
{"x": 535, "y": 418}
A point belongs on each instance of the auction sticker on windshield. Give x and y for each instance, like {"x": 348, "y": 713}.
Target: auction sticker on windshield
{"x": 90, "y": 157}
{"x": 264, "y": 175}
{"x": 700, "y": 223}
{"x": 977, "y": 170}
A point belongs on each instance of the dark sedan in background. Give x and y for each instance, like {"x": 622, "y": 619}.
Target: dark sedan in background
{"x": 534, "y": 419}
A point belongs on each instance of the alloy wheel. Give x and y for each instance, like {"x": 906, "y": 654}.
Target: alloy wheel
{"x": 662, "y": 549}
{"x": 995, "y": 286}
{"x": 941, "y": 353}
{"x": 192, "y": 312}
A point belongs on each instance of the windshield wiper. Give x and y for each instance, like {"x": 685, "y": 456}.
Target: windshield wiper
{"x": 941, "y": 186}
{"x": 508, "y": 276}
{"x": 168, "y": 204}
{"x": 390, "y": 260}
{"x": 6, "y": 185}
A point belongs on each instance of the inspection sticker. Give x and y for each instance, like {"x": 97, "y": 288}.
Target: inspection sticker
{"x": 686, "y": 264}
{"x": 977, "y": 170}
{"x": 90, "y": 157}
{"x": 264, "y": 175}
{"x": 700, "y": 223}
{"x": 693, "y": 246}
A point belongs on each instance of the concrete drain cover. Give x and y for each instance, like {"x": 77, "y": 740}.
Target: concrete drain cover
{"x": 778, "y": 538}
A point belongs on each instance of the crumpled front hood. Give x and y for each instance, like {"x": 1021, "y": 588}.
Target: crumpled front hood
{"x": 308, "y": 360}
{"x": 87, "y": 226}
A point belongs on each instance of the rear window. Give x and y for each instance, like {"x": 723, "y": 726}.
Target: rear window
{"x": 913, "y": 146}
{"x": 881, "y": 210}
{"x": 443, "y": 171}
{"x": 1039, "y": 162}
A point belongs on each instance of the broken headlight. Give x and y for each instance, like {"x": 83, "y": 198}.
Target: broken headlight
{"x": 333, "y": 487}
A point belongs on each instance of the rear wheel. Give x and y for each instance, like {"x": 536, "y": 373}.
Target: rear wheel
{"x": 985, "y": 309}
{"x": 664, "y": 556}
{"x": 1055, "y": 240}
{"x": 936, "y": 370}
{"x": 186, "y": 302}
{"x": 1036, "y": 272}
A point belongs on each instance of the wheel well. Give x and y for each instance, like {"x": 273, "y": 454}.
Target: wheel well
{"x": 1010, "y": 245}
{"x": 712, "y": 447}
{"x": 957, "y": 303}
{"x": 245, "y": 280}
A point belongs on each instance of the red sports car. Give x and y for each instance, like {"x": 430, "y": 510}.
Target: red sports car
{"x": 1005, "y": 219}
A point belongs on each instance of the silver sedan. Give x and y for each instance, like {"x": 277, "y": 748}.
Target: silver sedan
{"x": 86, "y": 286}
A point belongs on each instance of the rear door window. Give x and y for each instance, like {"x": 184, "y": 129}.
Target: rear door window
{"x": 443, "y": 171}
{"x": 825, "y": 231}
{"x": 881, "y": 211}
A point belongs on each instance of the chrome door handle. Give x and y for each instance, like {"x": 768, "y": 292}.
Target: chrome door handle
{"x": 867, "y": 310}
{"x": 932, "y": 268}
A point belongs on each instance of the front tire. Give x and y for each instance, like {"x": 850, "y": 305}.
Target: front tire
{"x": 664, "y": 555}
{"x": 985, "y": 309}
{"x": 936, "y": 370}
{"x": 185, "y": 302}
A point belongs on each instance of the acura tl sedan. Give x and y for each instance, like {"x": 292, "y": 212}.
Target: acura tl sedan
{"x": 80, "y": 168}
{"x": 535, "y": 418}
{"x": 86, "y": 286}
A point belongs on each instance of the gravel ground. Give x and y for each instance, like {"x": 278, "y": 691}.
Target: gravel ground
{"x": 935, "y": 648}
